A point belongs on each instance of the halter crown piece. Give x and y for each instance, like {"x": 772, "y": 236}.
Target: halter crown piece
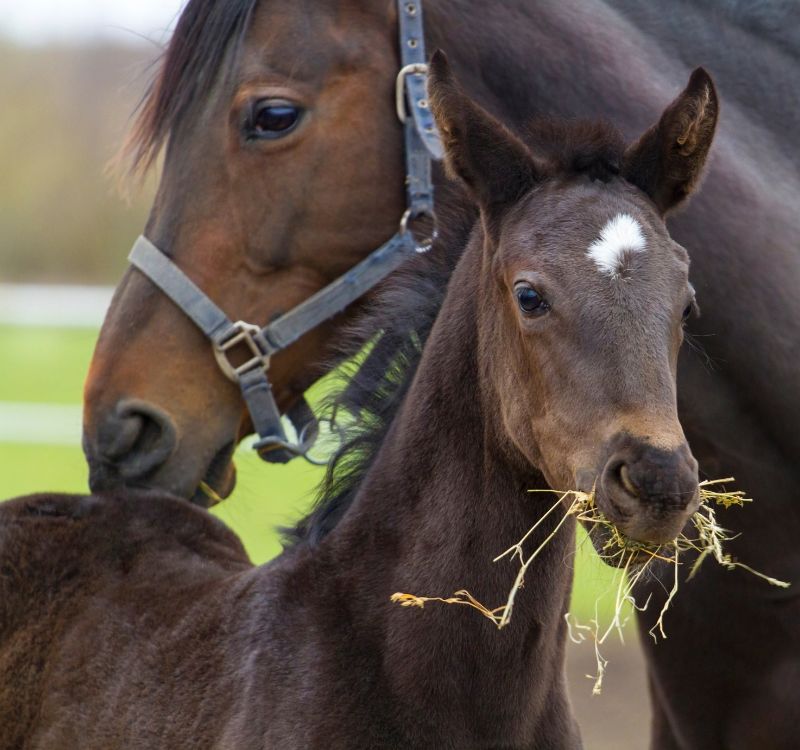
{"x": 422, "y": 145}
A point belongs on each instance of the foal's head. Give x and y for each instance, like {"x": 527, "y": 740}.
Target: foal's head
{"x": 583, "y": 296}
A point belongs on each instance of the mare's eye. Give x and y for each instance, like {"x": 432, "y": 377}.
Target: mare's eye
{"x": 689, "y": 310}
{"x": 272, "y": 118}
{"x": 529, "y": 300}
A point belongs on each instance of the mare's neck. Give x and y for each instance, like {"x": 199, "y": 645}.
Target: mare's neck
{"x": 441, "y": 500}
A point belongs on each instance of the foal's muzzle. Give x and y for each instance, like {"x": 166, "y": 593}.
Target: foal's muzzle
{"x": 647, "y": 492}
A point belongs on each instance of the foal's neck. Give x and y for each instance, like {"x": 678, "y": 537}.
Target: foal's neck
{"x": 441, "y": 500}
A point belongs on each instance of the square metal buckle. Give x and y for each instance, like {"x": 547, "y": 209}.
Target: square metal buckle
{"x": 242, "y": 334}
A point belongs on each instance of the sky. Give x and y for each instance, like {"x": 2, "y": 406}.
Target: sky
{"x": 36, "y": 21}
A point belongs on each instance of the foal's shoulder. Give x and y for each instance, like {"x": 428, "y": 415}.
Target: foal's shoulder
{"x": 50, "y": 540}
{"x": 79, "y": 575}
{"x": 142, "y": 515}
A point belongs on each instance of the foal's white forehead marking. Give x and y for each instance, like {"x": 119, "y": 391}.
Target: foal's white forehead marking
{"x": 622, "y": 234}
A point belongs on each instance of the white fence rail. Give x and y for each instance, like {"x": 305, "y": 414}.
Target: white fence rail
{"x": 46, "y": 305}
{"x": 40, "y": 424}
{"x": 52, "y": 307}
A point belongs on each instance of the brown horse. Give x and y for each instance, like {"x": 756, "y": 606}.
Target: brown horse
{"x": 261, "y": 225}
{"x": 137, "y": 622}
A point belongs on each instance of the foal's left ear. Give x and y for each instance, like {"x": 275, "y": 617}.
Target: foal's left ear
{"x": 667, "y": 161}
{"x": 496, "y": 167}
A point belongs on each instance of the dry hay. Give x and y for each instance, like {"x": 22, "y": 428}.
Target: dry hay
{"x": 633, "y": 558}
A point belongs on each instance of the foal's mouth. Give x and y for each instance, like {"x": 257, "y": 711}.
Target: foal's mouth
{"x": 220, "y": 478}
{"x": 617, "y": 550}
{"x": 609, "y": 529}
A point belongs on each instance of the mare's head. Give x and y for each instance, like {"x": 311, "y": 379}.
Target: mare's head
{"x": 583, "y": 297}
{"x": 282, "y": 169}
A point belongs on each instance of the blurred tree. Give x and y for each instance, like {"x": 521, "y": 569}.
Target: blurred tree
{"x": 65, "y": 110}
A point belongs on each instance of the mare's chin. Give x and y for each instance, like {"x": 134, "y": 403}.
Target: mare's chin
{"x": 219, "y": 480}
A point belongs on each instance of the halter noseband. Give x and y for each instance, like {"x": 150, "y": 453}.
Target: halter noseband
{"x": 422, "y": 145}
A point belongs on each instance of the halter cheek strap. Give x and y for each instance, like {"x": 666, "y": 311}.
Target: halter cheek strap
{"x": 422, "y": 144}
{"x": 261, "y": 343}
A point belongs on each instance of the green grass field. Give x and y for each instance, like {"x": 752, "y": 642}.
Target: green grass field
{"x": 49, "y": 368}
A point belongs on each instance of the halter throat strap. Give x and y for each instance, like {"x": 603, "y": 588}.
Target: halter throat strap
{"x": 422, "y": 144}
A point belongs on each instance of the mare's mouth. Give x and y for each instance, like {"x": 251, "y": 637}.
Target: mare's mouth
{"x": 219, "y": 480}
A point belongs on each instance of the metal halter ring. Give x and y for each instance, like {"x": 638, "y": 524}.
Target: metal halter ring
{"x": 412, "y": 215}
{"x": 400, "y": 87}
{"x": 307, "y": 445}
{"x": 240, "y": 333}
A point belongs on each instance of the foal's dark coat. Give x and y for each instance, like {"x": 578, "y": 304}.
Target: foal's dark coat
{"x": 135, "y": 621}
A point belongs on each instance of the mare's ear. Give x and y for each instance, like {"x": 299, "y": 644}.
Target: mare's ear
{"x": 492, "y": 162}
{"x": 667, "y": 161}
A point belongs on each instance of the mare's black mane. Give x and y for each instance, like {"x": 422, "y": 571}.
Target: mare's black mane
{"x": 197, "y": 53}
{"x": 400, "y": 318}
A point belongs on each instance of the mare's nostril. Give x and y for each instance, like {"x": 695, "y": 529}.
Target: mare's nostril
{"x": 118, "y": 436}
{"x": 136, "y": 439}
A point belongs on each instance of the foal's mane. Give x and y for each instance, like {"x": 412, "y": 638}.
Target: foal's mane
{"x": 397, "y": 323}
{"x": 197, "y": 52}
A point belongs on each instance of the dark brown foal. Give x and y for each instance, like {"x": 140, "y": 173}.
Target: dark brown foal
{"x": 135, "y": 621}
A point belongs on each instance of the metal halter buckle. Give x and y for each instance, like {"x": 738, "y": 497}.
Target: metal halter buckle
{"x": 401, "y": 102}
{"x": 240, "y": 333}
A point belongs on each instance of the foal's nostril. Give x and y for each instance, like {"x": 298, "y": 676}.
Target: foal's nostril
{"x": 648, "y": 492}
{"x": 620, "y": 488}
{"x": 625, "y": 480}
{"x": 136, "y": 439}
{"x": 643, "y": 477}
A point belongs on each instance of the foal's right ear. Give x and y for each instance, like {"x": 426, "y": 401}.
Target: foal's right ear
{"x": 492, "y": 162}
{"x": 667, "y": 161}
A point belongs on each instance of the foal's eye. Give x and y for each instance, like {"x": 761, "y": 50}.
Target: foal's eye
{"x": 272, "y": 118}
{"x": 689, "y": 310}
{"x": 529, "y": 300}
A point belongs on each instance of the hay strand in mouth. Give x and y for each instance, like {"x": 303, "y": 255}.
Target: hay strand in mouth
{"x": 623, "y": 553}
{"x": 210, "y": 493}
